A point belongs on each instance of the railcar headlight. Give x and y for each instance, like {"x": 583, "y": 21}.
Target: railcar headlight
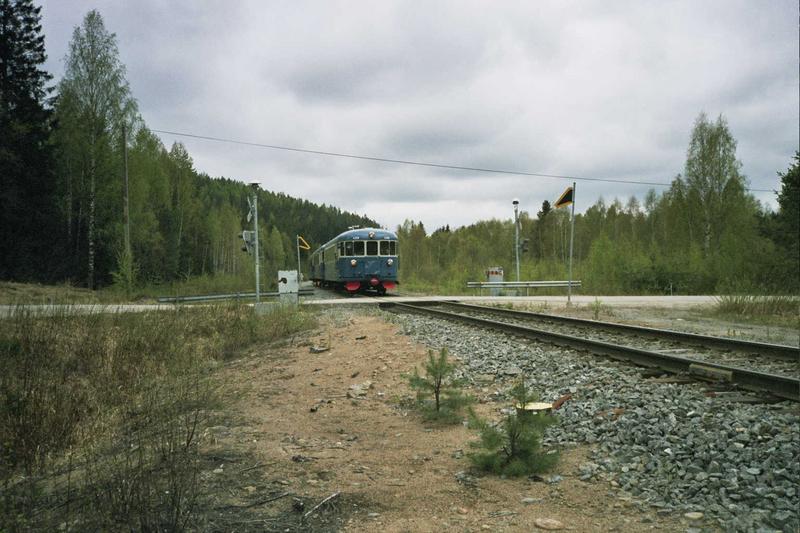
{"x": 353, "y": 262}
{"x": 390, "y": 262}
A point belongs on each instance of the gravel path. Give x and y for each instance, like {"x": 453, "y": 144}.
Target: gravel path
{"x": 667, "y": 446}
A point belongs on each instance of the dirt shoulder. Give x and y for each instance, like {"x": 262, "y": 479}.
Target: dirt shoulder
{"x": 392, "y": 471}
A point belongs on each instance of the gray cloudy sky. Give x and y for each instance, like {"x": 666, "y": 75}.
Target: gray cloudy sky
{"x": 579, "y": 88}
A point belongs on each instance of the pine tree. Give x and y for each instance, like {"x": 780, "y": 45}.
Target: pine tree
{"x": 26, "y": 157}
{"x": 439, "y": 394}
{"x": 513, "y": 447}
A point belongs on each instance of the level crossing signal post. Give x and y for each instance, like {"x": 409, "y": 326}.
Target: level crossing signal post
{"x": 515, "y": 202}
{"x": 301, "y": 244}
{"x": 250, "y": 238}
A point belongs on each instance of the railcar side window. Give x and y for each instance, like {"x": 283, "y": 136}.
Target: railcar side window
{"x": 358, "y": 247}
{"x": 372, "y": 247}
{"x": 348, "y": 248}
{"x": 392, "y": 247}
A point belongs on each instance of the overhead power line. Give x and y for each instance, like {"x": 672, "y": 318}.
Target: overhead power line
{"x": 418, "y": 163}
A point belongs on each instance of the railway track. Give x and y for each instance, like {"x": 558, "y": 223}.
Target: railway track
{"x": 719, "y": 359}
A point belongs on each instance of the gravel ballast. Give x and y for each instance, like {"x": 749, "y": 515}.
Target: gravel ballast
{"x": 667, "y": 446}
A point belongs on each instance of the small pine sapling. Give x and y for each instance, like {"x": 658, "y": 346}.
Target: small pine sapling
{"x": 439, "y": 394}
{"x": 513, "y": 447}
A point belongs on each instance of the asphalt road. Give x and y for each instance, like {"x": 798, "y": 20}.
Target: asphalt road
{"x": 674, "y": 302}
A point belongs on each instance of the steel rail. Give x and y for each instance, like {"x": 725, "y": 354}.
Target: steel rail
{"x": 231, "y": 296}
{"x": 520, "y": 284}
{"x": 781, "y": 386}
{"x": 790, "y": 353}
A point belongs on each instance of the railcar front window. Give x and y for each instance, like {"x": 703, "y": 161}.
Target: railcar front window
{"x": 372, "y": 247}
{"x": 348, "y": 248}
{"x": 385, "y": 248}
{"x": 392, "y": 247}
{"x": 358, "y": 248}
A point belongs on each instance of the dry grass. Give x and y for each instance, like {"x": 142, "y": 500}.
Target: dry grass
{"x": 101, "y": 415}
{"x": 33, "y": 293}
{"x": 778, "y": 310}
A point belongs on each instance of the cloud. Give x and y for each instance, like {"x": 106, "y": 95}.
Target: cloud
{"x": 594, "y": 89}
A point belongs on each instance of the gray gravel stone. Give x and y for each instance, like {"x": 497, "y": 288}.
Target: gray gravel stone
{"x": 668, "y": 445}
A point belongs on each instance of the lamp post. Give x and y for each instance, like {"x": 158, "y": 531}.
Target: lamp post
{"x": 515, "y": 202}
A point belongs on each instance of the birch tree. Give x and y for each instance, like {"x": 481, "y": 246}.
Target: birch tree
{"x": 93, "y": 103}
{"x": 712, "y": 175}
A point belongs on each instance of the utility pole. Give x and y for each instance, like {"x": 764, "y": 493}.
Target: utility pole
{"x": 254, "y": 208}
{"x": 297, "y": 245}
{"x": 571, "y": 239}
{"x": 516, "y": 232}
{"x": 126, "y": 209}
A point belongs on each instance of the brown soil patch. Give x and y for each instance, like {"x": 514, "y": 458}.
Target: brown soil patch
{"x": 394, "y": 473}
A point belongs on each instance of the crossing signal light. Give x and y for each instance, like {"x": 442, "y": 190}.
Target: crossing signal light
{"x": 249, "y": 241}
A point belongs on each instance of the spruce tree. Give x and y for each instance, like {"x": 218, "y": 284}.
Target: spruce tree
{"x": 787, "y": 233}
{"x": 26, "y": 160}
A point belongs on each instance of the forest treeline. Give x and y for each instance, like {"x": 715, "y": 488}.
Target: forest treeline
{"x": 63, "y": 154}
{"x": 704, "y": 234}
{"x": 62, "y": 164}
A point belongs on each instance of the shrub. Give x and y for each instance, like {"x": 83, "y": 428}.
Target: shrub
{"x": 439, "y": 394}
{"x": 513, "y": 446}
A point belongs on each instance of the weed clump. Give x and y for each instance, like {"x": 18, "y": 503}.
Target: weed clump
{"x": 439, "y": 394}
{"x": 513, "y": 446}
{"x": 759, "y": 307}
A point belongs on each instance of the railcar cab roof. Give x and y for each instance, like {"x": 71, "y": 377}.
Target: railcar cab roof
{"x": 363, "y": 234}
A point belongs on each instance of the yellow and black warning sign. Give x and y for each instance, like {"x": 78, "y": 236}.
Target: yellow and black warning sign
{"x": 566, "y": 198}
{"x": 301, "y": 243}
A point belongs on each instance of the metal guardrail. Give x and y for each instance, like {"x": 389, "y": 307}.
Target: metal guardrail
{"x": 480, "y": 285}
{"x": 231, "y": 296}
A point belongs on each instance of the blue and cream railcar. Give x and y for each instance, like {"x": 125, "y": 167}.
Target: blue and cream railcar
{"x": 357, "y": 260}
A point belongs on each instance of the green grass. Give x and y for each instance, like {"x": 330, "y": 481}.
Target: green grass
{"x": 198, "y": 285}
{"x": 104, "y": 412}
